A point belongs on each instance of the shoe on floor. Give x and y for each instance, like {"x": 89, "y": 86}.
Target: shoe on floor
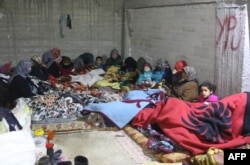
{"x": 44, "y": 160}
{"x": 81, "y": 160}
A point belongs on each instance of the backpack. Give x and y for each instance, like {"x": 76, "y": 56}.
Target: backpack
{"x": 5, "y": 96}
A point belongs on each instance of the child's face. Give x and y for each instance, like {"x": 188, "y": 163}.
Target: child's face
{"x": 205, "y": 92}
{"x": 98, "y": 61}
{"x": 146, "y": 68}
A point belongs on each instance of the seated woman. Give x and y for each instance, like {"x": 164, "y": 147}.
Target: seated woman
{"x": 51, "y": 59}
{"x": 128, "y": 72}
{"x": 129, "y": 65}
{"x": 187, "y": 88}
{"x": 115, "y": 59}
{"x": 83, "y": 62}
{"x": 20, "y": 84}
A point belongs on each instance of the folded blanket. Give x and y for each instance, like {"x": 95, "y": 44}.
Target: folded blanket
{"x": 122, "y": 112}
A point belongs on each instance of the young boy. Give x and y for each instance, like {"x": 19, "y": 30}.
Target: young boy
{"x": 99, "y": 62}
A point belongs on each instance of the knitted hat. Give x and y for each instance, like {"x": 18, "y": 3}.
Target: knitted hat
{"x": 147, "y": 64}
{"x": 179, "y": 65}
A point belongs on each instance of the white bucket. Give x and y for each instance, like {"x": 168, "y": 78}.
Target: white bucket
{"x": 40, "y": 143}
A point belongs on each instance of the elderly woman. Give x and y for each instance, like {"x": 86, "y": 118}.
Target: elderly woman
{"x": 187, "y": 88}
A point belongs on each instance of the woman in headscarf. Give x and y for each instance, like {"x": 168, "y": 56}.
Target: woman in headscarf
{"x": 129, "y": 65}
{"x": 51, "y": 60}
{"x": 20, "y": 83}
{"x": 187, "y": 89}
{"x": 177, "y": 71}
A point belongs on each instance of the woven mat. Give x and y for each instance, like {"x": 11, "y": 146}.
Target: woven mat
{"x": 70, "y": 127}
{"x": 133, "y": 149}
{"x": 63, "y": 127}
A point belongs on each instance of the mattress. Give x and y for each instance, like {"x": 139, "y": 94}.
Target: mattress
{"x": 141, "y": 140}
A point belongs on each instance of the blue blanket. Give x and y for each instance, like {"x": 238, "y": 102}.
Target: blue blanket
{"x": 122, "y": 112}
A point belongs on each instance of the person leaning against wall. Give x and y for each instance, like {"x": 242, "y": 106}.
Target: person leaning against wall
{"x": 115, "y": 59}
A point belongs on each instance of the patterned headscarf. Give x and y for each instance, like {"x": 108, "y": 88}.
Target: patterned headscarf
{"x": 23, "y": 68}
{"x": 162, "y": 64}
{"x": 50, "y": 56}
{"x": 191, "y": 73}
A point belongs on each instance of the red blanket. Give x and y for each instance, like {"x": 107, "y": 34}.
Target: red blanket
{"x": 197, "y": 127}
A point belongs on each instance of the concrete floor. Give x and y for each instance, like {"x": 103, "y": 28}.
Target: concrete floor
{"x": 100, "y": 147}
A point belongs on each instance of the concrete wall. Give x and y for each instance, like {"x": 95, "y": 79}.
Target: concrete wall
{"x": 182, "y": 29}
{"x": 173, "y": 30}
{"x": 170, "y": 29}
{"x": 30, "y": 27}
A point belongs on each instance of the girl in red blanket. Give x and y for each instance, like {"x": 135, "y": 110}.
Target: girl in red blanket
{"x": 207, "y": 95}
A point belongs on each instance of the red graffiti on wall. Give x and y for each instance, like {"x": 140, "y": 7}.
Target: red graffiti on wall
{"x": 228, "y": 28}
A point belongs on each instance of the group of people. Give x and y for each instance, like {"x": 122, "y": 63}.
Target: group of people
{"x": 186, "y": 86}
{"x": 181, "y": 82}
{"x": 52, "y": 65}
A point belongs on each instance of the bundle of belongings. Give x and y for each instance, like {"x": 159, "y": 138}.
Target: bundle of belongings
{"x": 15, "y": 135}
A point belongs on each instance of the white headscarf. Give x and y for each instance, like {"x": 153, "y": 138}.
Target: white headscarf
{"x": 191, "y": 73}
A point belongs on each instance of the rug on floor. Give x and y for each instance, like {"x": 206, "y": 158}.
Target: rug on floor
{"x": 133, "y": 149}
{"x": 100, "y": 147}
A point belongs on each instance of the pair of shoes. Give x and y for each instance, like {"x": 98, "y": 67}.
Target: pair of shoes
{"x": 78, "y": 160}
{"x": 81, "y": 160}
